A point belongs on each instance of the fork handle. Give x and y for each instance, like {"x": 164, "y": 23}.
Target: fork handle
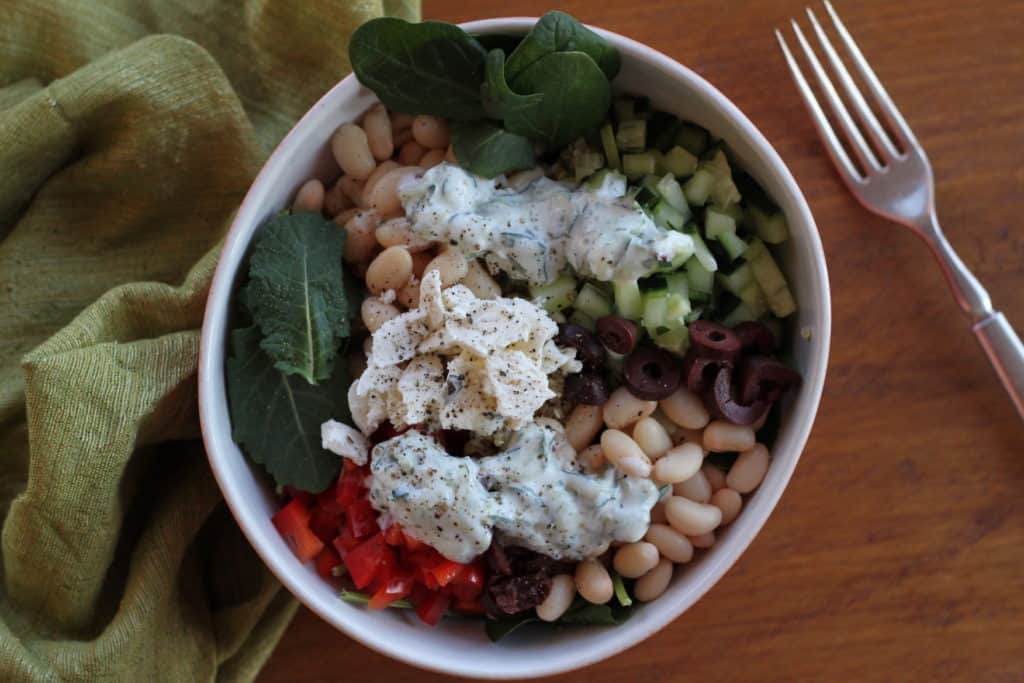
{"x": 1006, "y": 353}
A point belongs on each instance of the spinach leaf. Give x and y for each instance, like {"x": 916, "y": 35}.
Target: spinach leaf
{"x": 498, "y": 41}
{"x": 487, "y": 150}
{"x": 583, "y": 612}
{"x": 499, "y": 100}
{"x": 576, "y": 98}
{"x": 560, "y": 32}
{"x": 497, "y": 629}
{"x": 296, "y": 293}
{"x": 426, "y": 68}
{"x": 276, "y": 417}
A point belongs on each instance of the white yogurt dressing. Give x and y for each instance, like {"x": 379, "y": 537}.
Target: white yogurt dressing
{"x": 533, "y": 233}
{"x": 532, "y": 495}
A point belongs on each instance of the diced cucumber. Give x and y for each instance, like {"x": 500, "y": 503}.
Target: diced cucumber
{"x": 694, "y": 314}
{"x": 655, "y": 311}
{"x": 733, "y": 244}
{"x": 723, "y": 191}
{"x": 678, "y": 284}
{"x": 593, "y": 302}
{"x": 699, "y": 278}
{"x": 734, "y": 211}
{"x": 662, "y": 130}
{"x": 645, "y": 198}
{"x": 628, "y": 301}
{"x": 667, "y": 216}
{"x": 556, "y": 295}
{"x": 650, "y": 181}
{"x": 700, "y": 249}
{"x": 637, "y": 165}
{"x": 623, "y": 109}
{"x": 580, "y": 318}
{"x": 608, "y": 183}
{"x": 753, "y": 297}
{"x": 770, "y": 278}
{"x": 680, "y": 162}
{"x": 632, "y": 136}
{"x": 670, "y": 190}
{"x": 698, "y": 188}
{"x": 717, "y": 223}
{"x": 741, "y": 313}
{"x": 676, "y": 340}
{"x": 770, "y": 227}
{"x": 659, "y": 161}
{"x": 737, "y": 280}
{"x": 611, "y": 150}
{"x": 692, "y": 138}
{"x": 586, "y": 164}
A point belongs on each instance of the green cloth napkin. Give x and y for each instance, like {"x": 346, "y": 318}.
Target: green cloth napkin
{"x": 129, "y": 132}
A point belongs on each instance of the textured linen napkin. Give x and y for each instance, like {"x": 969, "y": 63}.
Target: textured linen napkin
{"x": 129, "y": 132}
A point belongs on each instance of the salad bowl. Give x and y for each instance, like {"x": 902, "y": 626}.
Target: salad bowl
{"x": 456, "y": 646}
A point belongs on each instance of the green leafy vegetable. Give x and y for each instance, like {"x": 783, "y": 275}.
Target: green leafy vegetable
{"x": 296, "y": 293}
{"x": 497, "y": 629}
{"x": 580, "y": 612}
{"x": 500, "y": 101}
{"x": 487, "y": 150}
{"x": 357, "y": 598}
{"x": 621, "y": 594}
{"x": 426, "y": 68}
{"x": 498, "y": 41}
{"x": 560, "y": 32}
{"x": 276, "y": 417}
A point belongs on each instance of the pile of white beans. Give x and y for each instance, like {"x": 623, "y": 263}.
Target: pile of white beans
{"x": 666, "y": 441}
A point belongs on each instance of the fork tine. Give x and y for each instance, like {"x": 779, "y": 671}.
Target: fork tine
{"x": 853, "y": 135}
{"x": 875, "y": 130}
{"x": 888, "y": 107}
{"x": 828, "y": 136}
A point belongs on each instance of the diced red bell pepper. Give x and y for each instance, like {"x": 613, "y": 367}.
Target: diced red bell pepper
{"x": 327, "y": 502}
{"x": 350, "y": 487}
{"x": 295, "y": 494}
{"x": 324, "y": 524}
{"x": 365, "y": 560}
{"x": 345, "y": 542}
{"x": 412, "y": 544}
{"x": 326, "y": 561}
{"x": 446, "y": 571}
{"x": 395, "y": 588}
{"x": 432, "y": 608}
{"x": 468, "y": 606}
{"x": 469, "y": 584}
{"x": 292, "y": 522}
{"x": 393, "y": 535}
{"x": 361, "y": 518}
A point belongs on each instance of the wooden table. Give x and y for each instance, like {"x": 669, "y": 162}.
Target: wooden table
{"x": 897, "y": 553}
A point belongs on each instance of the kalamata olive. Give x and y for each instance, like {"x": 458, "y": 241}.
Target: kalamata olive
{"x": 765, "y": 379}
{"x": 588, "y": 388}
{"x": 756, "y": 337}
{"x": 711, "y": 340}
{"x": 721, "y": 402}
{"x": 618, "y": 334}
{"x": 699, "y": 373}
{"x": 588, "y": 349}
{"x": 651, "y": 373}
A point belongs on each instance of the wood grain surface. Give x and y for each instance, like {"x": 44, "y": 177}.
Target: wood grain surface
{"x": 897, "y": 552}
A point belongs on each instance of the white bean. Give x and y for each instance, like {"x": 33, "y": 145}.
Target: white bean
{"x": 747, "y": 473}
{"x": 451, "y": 266}
{"x": 651, "y": 437}
{"x": 691, "y": 518}
{"x": 361, "y": 243}
{"x": 703, "y": 540}
{"x": 411, "y": 153}
{"x": 450, "y": 155}
{"x": 377, "y": 125}
{"x": 395, "y": 231}
{"x": 432, "y": 158}
{"x": 623, "y": 409}
{"x": 375, "y": 313}
{"x": 409, "y": 296}
{"x": 352, "y": 151}
{"x": 335, "y": 200}
{"x": 345, "y": 216}
{"x": 310, "y": 196}
{"x": 633, "y": 560}
{"x": 721, "y": 436}
{"x": 352, "y": 188}
{"x": 593, "y": 582}
{"x": 383, "y": 196}
{"x": 390, "y": 270}
{"x": 658, "y": 513}
{"x": 670, "y": 543}
{"x": 480, "y": 282}
{"x": 400, "y": 121}
{"x": 729, "y": 502}
{"x": 383, "y": 169}
{"x": 622, "y": 452}
{"x": 686, "y": 409}
{"x": 759, "y": 422}
{"x": 582, "y": 426}
{"x": 592, "y": 458}
{"x": 696, "y": 436}
{"x": 670, "y": 427}
{"x": 402, "y": 137}
{"x": 430, "y": 131}
{"x": 563, "y": 590}
{"x": 695, "y": 488}
{"x": 679, "y": 464}
{"x": 651, "y": 585}
{"x": 715, "y": 476}
{"x": 420, "y": 261}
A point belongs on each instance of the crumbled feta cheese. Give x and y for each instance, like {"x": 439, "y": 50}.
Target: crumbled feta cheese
{"x": 347, "y": 442}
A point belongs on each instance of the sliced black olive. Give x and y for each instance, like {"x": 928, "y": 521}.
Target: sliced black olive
{"x": 651, "y": 374}
{"x": 721, "y": 402}
{"x": 618, "y": 334}
{"x": 588, "y": 388}
{"x": 711, "y": 340}
{"x": 699, "y": 373}
{"x": 756, "y": 337}
{"x": 588, "y": 349}
{"x": 766, "y": 379}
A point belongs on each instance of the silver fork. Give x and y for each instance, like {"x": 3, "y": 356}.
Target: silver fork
{"x": 898, "y": 185}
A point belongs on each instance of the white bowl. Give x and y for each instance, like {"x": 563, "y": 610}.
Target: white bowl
{"x": 457, "y": 646}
